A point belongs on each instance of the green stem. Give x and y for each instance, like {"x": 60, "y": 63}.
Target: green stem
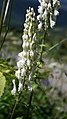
{"x": 30, "y": 100}
{"x": 42, "y": 48}
{"x": 57, "y": 44}
{"x": 17, "y": 100}
{"x": 13, "y": 109}
{"x": 2, "y": 14}
{"x": 8, "y": 26}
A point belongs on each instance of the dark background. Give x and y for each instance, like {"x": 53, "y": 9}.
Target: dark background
{"x": 19, "y": 10}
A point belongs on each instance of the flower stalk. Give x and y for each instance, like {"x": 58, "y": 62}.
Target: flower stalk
{"x": 27, "y": 64}
{"x": 30, "y": 101}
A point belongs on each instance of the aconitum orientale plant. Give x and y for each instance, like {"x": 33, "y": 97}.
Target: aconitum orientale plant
{"x": 30, "y": 58}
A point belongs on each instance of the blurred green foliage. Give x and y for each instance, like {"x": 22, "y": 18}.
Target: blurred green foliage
{"x": 2, "y": 83}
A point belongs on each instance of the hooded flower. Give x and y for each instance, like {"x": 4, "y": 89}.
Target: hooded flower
{"x": 20, "y": 86}
{"x": 14, "y": 87}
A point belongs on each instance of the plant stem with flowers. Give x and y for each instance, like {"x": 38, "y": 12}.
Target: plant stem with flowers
{"x": 27, "y": 64}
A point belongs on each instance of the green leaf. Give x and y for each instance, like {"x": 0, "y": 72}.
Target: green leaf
{"x": 34, "y": 85}
{"x": 6, "y": 68}
{"x": 2, "y": 83}
{"x": 19, "y": 118}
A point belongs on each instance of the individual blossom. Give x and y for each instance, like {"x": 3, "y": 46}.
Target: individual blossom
{"x": 29, "y": 87}
{"x": 20, "y": 86}
{"x": 17, "y": 74}
{"x": 40, "y": 26}
{"x": 13, "y": 91}
{"x": 48, "y": 10}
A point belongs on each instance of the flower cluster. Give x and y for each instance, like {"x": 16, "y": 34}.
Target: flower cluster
{"x": 27, "y": 58}
{"x": 48, "y": 10}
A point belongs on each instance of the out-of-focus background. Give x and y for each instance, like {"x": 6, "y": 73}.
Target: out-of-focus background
{"x": 50, "y": 97}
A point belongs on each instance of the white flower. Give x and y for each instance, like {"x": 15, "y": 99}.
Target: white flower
{"x": 30, "y": 25}
{"x": 56, "y": 12}
{"x": 49, "y": 5}
{"x": 25, "y": 36}
{"x": 56, "y": 2}
{"x": 40, "y": 1}
{"x": 45, "y": 4}
{"x": 20, "y": 86}
{"x": 32, "y": 9}
{"x": 31, "y": 44}
{"x": 44, "y": 15}
{"x": 30, "y": 76}
{"x": 40, "y": 10}
{"x": 33, "y": 19}
{"x": 20, "y": 54}
{"x": 40, "y": 26}
{"x": 17, "y": 74}
{"x": 29, "y": 32}
{"x": 13, "y": 91}
{"x": 28, "y": 62}
{"x": 38, "y": 17}
{"x": 24, "y": 54}
{"x": 21, "y": 63}
{"x": 29, "y": 87}
{"x": 31, "y": 53}
{"x": 34, "y": 36}
{"x": 23, "y": 71}
{"x": 25, "y": 25}
{"x": 25, "y": 44}
{"x": 52, "y": 22}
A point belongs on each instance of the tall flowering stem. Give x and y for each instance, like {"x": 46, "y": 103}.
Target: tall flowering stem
{"x": 47, "y": 13}
{"x": 27, "y": 58}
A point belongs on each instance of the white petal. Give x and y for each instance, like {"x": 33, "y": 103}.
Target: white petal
{"x": 20, "y": 86}
{"x": 40, "y": 26}
{"x": 20, "y": 54}
{"x": 40, "y": 9}
{"x": 17, "y": 74}
{"x": 31, "y": 53}
{"x": 52, "y": 23}
{"x": 23, "y": 71}
{"x": 21, "y": 63}
{"x": 56, "y": 12}
{"x": 13, "y": 91}
{"x": 28, "y": 62}
{"x": 29, "y": 87}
